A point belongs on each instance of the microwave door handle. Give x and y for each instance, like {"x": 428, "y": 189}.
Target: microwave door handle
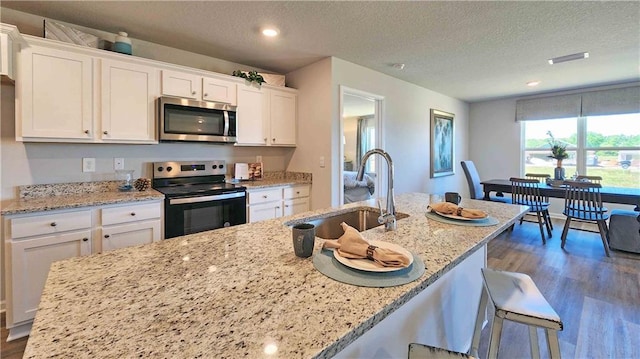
{"x": 226, "y": 123}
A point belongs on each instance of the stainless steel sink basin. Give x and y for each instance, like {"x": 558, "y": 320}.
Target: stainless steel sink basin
{"x": 359, "y": 218}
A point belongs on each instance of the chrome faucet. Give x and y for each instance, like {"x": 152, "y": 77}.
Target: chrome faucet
{"x": 388, "y": 218}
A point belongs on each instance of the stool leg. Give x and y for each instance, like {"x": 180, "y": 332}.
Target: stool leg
{"x": 482, "y": 307}
{"x": 552, "y": 343}
{"x": 494, "y": 341}
{"x": 533, "y": 342}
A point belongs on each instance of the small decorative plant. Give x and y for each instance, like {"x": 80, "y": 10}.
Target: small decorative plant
{"x": 558, "y": 149}
{"x": 252, "y": 76}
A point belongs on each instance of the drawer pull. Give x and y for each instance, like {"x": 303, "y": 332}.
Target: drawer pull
{"x": 85, "y": 239}
{"x": 297, "y": 192}
{"x": 53, "y": 224}
{"x": 286, "y": 205}
{"x": 106, "y": 236}
{"x": 277, "y": 207}
{"x": 206, "y": 94}
{"x": 274, "y": 139}
{"x": 106, "y": 132}
{"x": 133, "y": 213}
{"x": 86, "y": 131}
{"x": 264, "y": 196}
{"x": 193, "y": 92}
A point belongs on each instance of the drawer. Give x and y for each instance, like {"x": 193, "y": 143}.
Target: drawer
{"x": 50, "y": 223}
{"x": 296, "y": 192}
{"x": 265, "y": 196}
{"x": 130, "y": 213}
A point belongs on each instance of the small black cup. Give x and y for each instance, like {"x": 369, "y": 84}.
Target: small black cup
{"x": 304, "y": 237}
{"x": 452, "y": 197}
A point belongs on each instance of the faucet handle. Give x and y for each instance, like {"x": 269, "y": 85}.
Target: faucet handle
{"x": 380, "y": 207}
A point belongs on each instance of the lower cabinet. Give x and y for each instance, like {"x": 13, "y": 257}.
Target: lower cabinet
{"x": 33, "y": 241}
{"x": 275, "y": 202}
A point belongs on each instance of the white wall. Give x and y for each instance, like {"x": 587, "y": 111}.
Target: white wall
{"x": 350, "y": 129}
{"x": 406, "y": 126}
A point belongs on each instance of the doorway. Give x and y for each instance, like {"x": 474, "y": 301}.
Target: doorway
{"x": 361, "y": 131}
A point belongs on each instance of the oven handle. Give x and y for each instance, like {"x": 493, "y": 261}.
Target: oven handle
{"x": 207, "y": 198}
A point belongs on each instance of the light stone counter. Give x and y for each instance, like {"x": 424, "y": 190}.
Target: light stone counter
{"x": 237, "y": 292}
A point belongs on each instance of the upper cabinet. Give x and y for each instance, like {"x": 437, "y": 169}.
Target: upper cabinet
{"x": 187, "y": 85}
{"x": 128, "y": 101}
{"x": 266, "y": 116}
{"x": 9, "y": 37}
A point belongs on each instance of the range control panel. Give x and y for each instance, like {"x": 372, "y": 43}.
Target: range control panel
{"x": 188, "y": 169}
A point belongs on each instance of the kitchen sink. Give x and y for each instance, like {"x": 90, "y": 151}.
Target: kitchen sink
{"x": 358, "y": 218}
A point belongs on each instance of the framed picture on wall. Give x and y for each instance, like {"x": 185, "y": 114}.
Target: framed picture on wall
{"x": 442, "y": 155}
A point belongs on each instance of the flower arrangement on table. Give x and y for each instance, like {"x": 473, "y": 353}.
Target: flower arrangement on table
{"x": 558, "y": 149}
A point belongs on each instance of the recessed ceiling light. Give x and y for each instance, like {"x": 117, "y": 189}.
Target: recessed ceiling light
{"x": 533, "y": 83}
{"x": 270, "y": 31}
{"x": 578, "y": 56}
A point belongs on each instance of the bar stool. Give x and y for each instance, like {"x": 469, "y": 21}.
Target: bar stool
{"x": 515, "y": 297}
{"x": 421, "y": 351}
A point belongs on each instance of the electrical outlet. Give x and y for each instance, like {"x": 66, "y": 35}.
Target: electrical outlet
{"x": 322, "y": 161}
{"x": 88, "y": 164}
{"x": 118, "y": 163}
{"x": 259, "y": 159}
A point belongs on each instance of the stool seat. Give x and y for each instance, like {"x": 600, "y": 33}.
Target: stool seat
{"x": 624, "y": 231}
{"x": 516, "y": 298}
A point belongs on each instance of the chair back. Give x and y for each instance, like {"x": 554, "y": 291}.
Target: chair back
{"x": 473, "y": 179}
{"x": 526, "y": 192}
{"x": 583, "y": 201}
{"x": 542, "y": 177}
{"x": 593, "y": 179}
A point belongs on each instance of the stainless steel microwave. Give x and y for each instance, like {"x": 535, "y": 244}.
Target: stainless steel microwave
{"x": 196, "y": 121}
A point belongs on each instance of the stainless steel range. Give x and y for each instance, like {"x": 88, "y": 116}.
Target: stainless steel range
{"x": 197, "y": 198}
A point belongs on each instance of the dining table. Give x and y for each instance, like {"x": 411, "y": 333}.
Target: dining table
{"x": 621, "y": 195}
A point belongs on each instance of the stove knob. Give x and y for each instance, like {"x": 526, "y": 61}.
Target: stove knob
{"x": 169, "y": 169}
{"x": 214, "y": 166}
{"x": 221, "y": 166}
{"x": 160, "y": 169}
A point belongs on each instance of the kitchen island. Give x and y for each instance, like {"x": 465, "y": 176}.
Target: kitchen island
{"x": 241, "y": 291}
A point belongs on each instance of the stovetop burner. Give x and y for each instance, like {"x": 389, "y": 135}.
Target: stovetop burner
{"x": 181, "y": 179}
{"x": 200, "y": 189}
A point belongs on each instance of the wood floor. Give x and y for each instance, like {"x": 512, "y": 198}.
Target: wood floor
{"x": 598, "y": 298}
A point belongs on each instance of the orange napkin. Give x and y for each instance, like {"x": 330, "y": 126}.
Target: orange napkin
{"x": 450, "y": 208}
{"x": 353, "y": 246}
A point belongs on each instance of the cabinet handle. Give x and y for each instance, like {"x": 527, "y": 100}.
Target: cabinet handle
{"x": 297, "y": 192}
{"x": 264, "y": 196}
{"x": 274, "y": 139}
{"x": 206, "y": 94}
{"x": 53, "y": 224}
{"x": 277, "y": 207}
{"x": 86, "y": 131}
{"x": 193, "y": 92}
{"x": 106, "y": 132}
{"x": 106, "y": 236}
{"x": 133, "y": 213}
{"x": 85, "y": 239}
{"x": 265, "y": 140}
{"x": 286, "y": 205}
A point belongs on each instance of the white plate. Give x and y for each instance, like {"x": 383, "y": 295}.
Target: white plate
{"x": 371, "y": 266}
{"x": 459, "y": 217}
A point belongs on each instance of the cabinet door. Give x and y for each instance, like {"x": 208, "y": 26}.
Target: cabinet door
{"x": 127, "y": 235}
{"x": 31, "y": 260}
{"x": 181, "y": 84}
{"x": 295, "y": 206}
{"x": 219, "y": 90}
{"x": 253, "y": 111}
{"x": 129, "y": 92}
{"x": 55, "y": 89}
{"x": 262, "y": 212}
{"x": 283, "y": 118}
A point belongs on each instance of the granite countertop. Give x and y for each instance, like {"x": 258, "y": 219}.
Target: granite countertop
{"x": 236, "y": 291}
{"x": 266, "y": 183}
{"x": 71, "y": 199}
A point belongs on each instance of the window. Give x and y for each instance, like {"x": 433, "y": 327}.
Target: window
{"x": 606, "y": 146}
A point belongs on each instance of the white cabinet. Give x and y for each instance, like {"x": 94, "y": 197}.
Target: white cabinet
{"x": 130, "y": 225}
{"x": 9, "y": 36}
{"x": 296, "y": 200}
{"x": 252, "y": 116}
{"x": 55, "y": 93}
{"x": 128, "y": 106}
{"x": 266, "y": 116}
{"x": 187, "y": 85}
{"x": 67, "y": 94}
{"x": 275, "y": 202}
{"x": 34, "y": 242}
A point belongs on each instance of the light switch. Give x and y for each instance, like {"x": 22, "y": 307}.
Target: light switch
{"x": 118, "y": 163}
{"x": 322, "y": 161}
{"x": 88, "y": 164}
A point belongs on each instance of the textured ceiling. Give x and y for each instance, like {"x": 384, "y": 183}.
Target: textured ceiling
{"x": 473, "y": 51}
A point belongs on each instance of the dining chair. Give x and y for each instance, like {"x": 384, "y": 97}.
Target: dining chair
{"x": 542, "y": 177}
{"x": 592, "y": 179}
{"x": 475, "y": 187}
{"x": 583, "y": 202}
{"x": 526, "y": 192}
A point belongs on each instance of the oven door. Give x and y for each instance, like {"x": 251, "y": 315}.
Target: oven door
{"x": 186, "y": 215}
